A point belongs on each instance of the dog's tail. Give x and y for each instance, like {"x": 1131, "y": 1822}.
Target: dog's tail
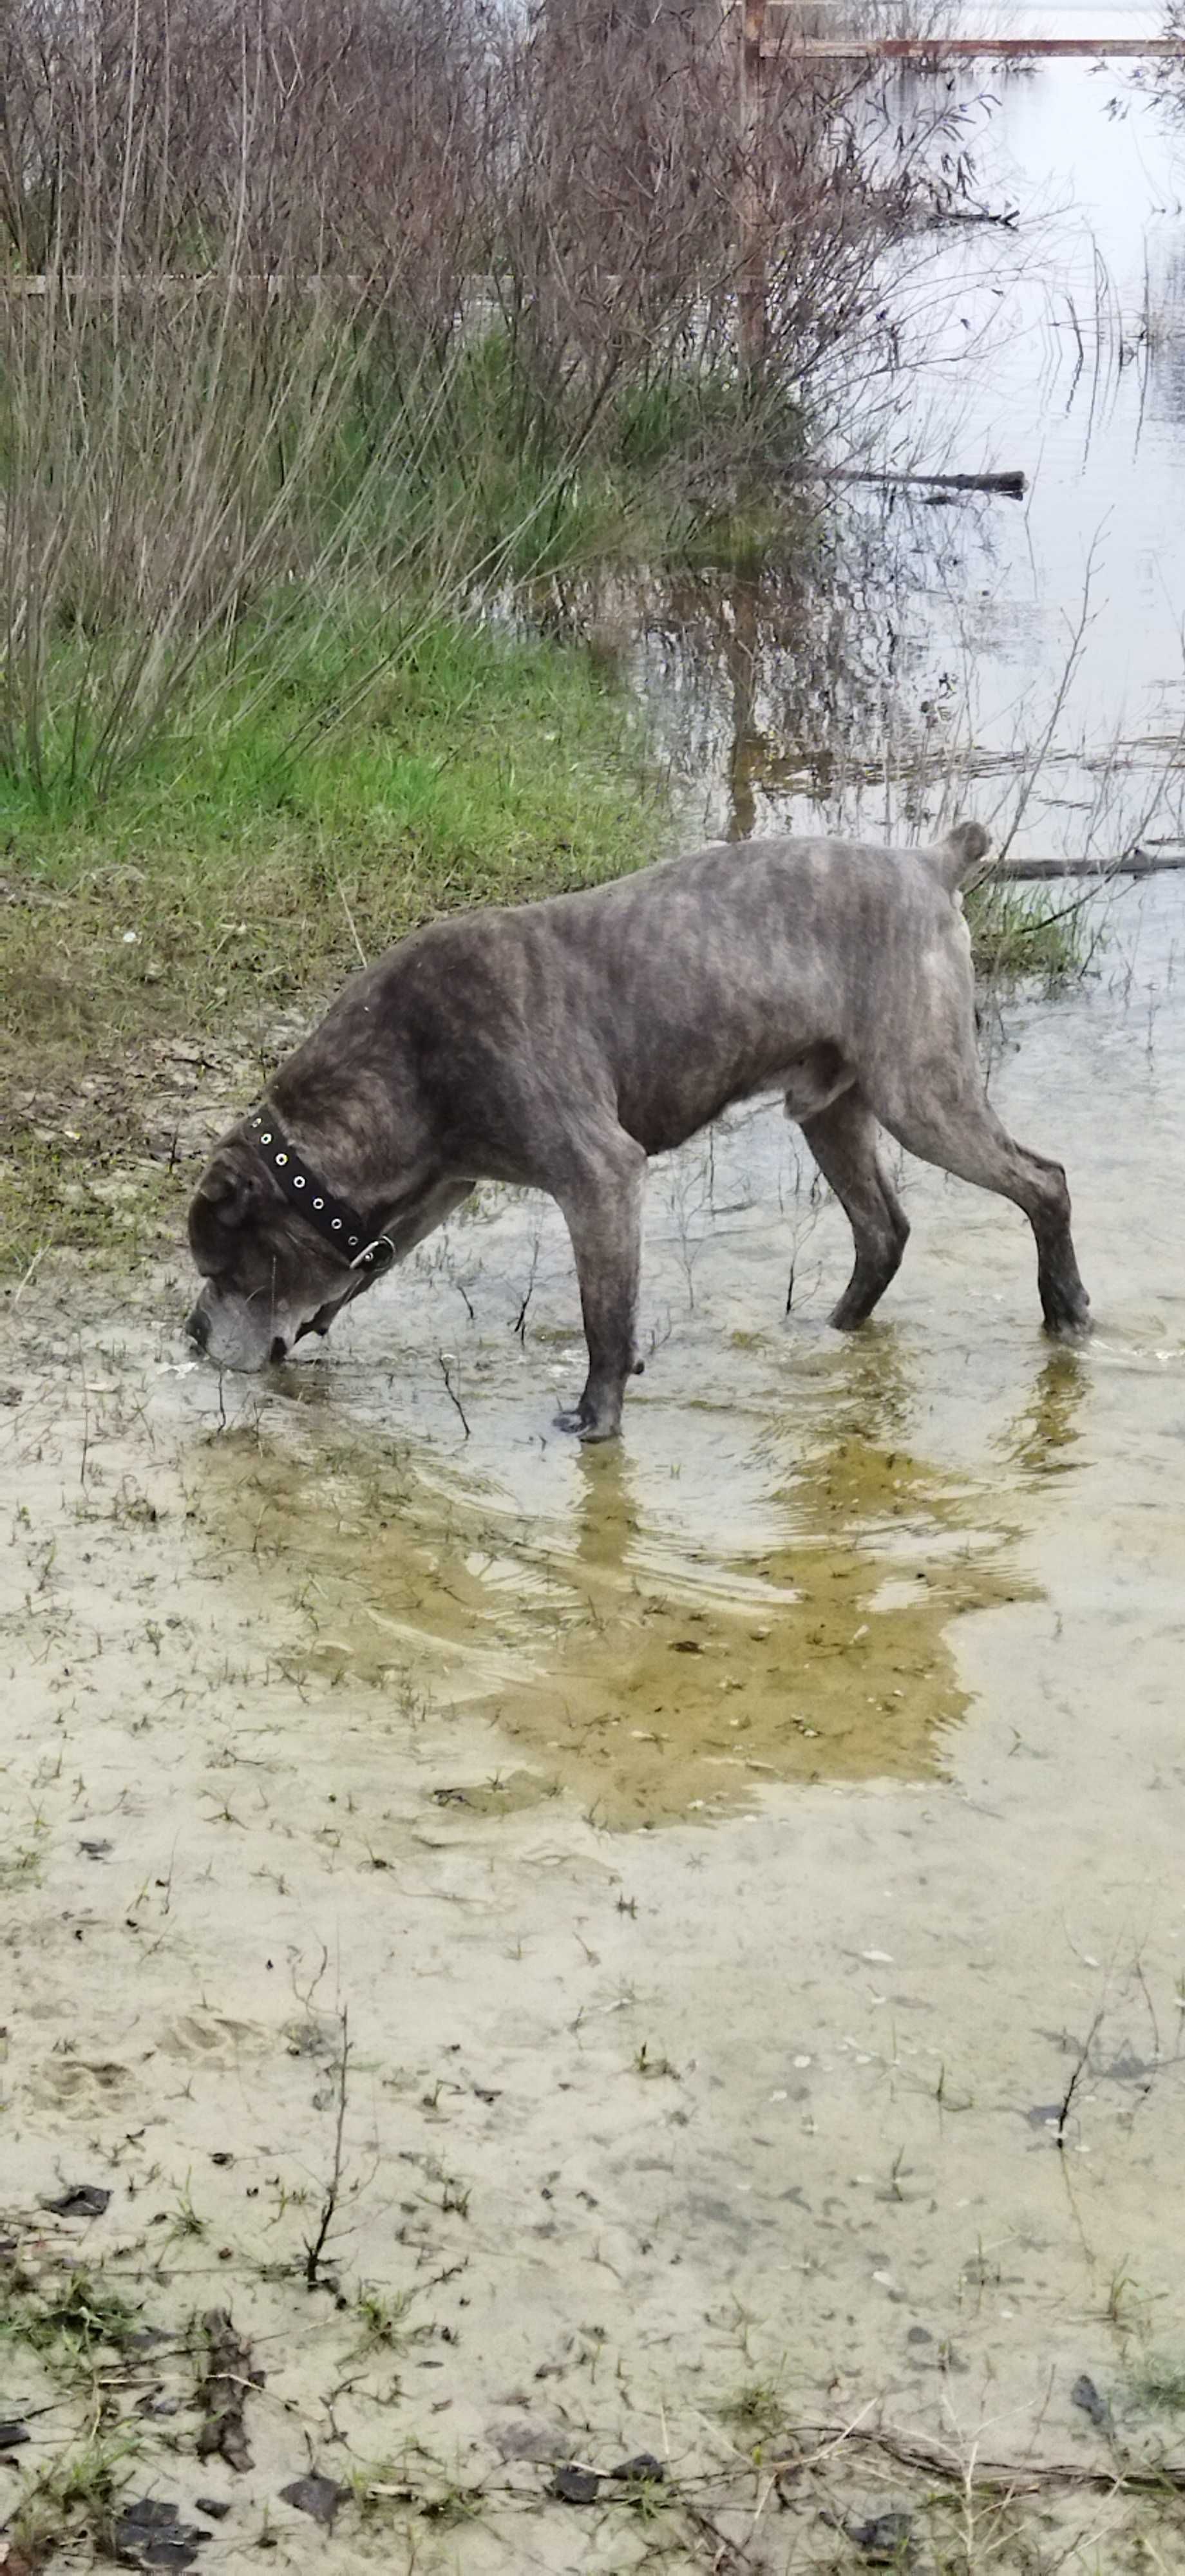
{"x": 954, "y": 858}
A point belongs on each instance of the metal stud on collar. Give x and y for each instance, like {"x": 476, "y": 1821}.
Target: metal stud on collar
{"x": 327, "y": 1216}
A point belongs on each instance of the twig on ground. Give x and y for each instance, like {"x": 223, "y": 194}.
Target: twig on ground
{"x": 316, "y": 2247}
{"x": 451, "y": 1392}
{"x": 996, "y": 2477}
{"x": 519, "y": 1326}
{"x": 1075, "y": 2080}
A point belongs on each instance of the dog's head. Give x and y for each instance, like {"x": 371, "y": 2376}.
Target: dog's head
{"x": 268, "y": 1277}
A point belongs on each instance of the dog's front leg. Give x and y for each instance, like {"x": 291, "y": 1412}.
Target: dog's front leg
{"x": 602, "y": 1205}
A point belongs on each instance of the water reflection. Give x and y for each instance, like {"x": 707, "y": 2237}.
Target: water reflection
{"x": 612, "y": 1649}
{"x": 870, "y": 655}
{"x": 791, "y": 688}
{"x": 1043, "y": 1442}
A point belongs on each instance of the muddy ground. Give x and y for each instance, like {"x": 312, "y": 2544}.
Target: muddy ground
{"x": 675, "y": 1952}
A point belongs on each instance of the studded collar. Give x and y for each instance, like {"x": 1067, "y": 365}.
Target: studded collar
{"x": 340, "y": 1225}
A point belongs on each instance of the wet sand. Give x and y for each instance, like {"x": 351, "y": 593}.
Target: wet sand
{"x": 747, "y": 1862}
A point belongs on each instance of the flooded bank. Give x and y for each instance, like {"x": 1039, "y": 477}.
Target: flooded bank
{"x": 676, "y": 1952}
{"x": 898, "y": 653}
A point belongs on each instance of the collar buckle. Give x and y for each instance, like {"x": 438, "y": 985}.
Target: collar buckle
{"x": 376, "y": 1256}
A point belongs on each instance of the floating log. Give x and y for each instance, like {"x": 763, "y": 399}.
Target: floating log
{"x": 942, "y": 49}
{"x": 1136, "y": 863}
{"x": 1012, "y": 486}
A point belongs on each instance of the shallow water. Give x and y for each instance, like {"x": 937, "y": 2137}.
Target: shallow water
{"x": 763, "y": 1581}
{"x": 727, "y": 1848}
{"x": 749, "y": 1858}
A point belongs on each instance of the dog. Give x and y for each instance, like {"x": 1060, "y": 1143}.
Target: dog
{"x": 558, "y": 1045}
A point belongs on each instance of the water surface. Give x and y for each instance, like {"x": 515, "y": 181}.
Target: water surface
{"x": 1022, "y": 659}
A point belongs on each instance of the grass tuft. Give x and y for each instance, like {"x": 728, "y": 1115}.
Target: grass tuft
{"x": 1159, "y": 2383}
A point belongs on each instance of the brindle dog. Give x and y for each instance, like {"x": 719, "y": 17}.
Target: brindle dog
{"x": 558, "y": 1045}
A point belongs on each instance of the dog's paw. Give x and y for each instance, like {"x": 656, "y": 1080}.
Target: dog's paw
{"x": 1066, "y": 1313}
{"x": 1071, "y": 1324}
{"x": 585, "y": 1425}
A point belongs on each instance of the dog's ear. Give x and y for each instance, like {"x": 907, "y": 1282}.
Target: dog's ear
{"x": 229, "y": 1193}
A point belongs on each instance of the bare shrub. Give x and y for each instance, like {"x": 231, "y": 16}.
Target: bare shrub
{"x": 320, "y": 311}
{"x": 631, "y": 195}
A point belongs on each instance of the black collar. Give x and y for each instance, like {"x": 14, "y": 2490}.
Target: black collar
{"x": 343, "y": 1229}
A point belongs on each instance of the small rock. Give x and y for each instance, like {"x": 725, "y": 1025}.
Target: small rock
{"x": 317, "y": 2496}
{"x": 919, "y": 2334}
{"x": 643, "y": 2465}
{"x": 215, "y": 2506}
{"x": 576, "y": 2486}
{"x": 152, "y": 2534}
{"x": 83, "y": 2200}
{"x": 95, "y": 1847}
{"x": 1085, "y": 2394}
{"x": 885, "y": 2540}
{"x": 685, "y": 1646}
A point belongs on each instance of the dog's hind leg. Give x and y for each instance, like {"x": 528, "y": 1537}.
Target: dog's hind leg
{"x": 949, "y": 1121}
{"x": 601, "y": 1198}
{"x": 843, "y": 1140}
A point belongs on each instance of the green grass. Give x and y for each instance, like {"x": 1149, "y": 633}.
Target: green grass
{"x": 1159, "y": 2383}
{"x": 1017, "y": 935}
{"x": 68, "y": 2325}
{"x": 232, "y": 886}
{"x": 163, "y": 945}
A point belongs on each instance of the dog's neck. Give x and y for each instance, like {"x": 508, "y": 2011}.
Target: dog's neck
{"x": 355, "y": 1151}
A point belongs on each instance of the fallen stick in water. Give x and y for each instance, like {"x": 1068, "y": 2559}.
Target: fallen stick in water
{"x": 1012, "y": 486}
{"x": 1137, "y": 863}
